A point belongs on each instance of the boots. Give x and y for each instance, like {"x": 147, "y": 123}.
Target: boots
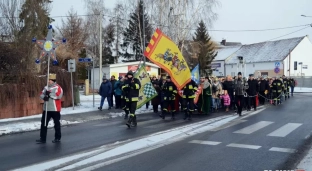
{"x": 185, "y": 115}
{"x": 172, "y": 116}
{"x": 129, "y": 121}
{"x": 100, "y": 108}
{"x": 134, "y": 121}
{"x": 190, "y": 116}
{"x": 163, "y": 114}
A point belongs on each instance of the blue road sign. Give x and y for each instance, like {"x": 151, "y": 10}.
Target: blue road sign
{"x": 277, "y": 64}
{"x": 84, "y": 60}
{"x": 276, "y": 70}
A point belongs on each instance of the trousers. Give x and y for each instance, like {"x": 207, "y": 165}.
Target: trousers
{"x": 56, "y": 116}
{"x": 188, "y": 104}
{"x": 239, "y": 103}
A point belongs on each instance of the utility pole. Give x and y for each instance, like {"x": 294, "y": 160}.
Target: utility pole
{"x": 143, "y": 48}
{"x": 117, "y": 33}
{"x": 100, "y": 46}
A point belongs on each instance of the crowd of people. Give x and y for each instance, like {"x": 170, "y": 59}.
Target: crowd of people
{"x": 218, "y": 93}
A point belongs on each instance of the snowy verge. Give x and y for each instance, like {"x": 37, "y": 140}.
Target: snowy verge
{"x": 102, "y": 156}
{"x": 306, "y": 163}
{"x": 31, "y": 126}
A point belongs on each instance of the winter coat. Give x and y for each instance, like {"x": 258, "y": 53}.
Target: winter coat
{"x": 264, "y": 85}
{"x": 113, "y": 82}
{"x": 55, "y": 102}
{"x": 117, "y": 88}
{"x": 156, "y": 100}
{"x": 229, "y": 86}
{"x": 226, "y": 100}
{"x": 105, "y": 89}
{"x": 253, "y": 87}
{"x": 189, "y": 90}
{"x": 240, "y": 86}
{"x": 216, "y": 90}
{"x": 132, "y": 89}
{"x": 169, "y": 91}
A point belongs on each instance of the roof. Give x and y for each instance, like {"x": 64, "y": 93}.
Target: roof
{"x": 224, "y": 53}
{"x": 265, "y": 51}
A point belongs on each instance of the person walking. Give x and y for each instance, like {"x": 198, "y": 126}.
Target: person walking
{"x": 51, "y": 95}
{"x": 188, "y": 96}
{"x": 239, "y": 91}
{"x": 105, "y": 92}
{"x": 131, "y": 87}
{"x": 118, "y": 93}
{"x": 263, "y": 88}
{"x": 253, "y": 88}
{"x": 169, "y": 93}
{"x": 112, "y": 96}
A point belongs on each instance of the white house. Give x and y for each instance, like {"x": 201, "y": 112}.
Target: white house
{"x": 218, "y": 64}
{"x": 121, "y": 69}
{"x": 272, "y": 58}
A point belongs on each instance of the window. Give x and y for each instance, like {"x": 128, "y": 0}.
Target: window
{"x": 253, "y": 65}
{"x": 232, "y": 73}
{"x": 232, "y": 65}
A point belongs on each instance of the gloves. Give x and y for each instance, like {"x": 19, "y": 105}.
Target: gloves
{"x": 46, "y": 96}
{"x": 47, "y": 93}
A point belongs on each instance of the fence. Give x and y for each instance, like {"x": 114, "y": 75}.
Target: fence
{"x": 305, "y": 81}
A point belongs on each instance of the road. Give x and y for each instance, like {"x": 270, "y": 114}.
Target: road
{"x": 275, "y": 138}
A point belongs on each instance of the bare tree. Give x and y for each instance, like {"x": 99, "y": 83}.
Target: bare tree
{"x": 9, "y": 23}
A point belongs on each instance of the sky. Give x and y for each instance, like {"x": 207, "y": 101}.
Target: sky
{"x": 235, "y": 15}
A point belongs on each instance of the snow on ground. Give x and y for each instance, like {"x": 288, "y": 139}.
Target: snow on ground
{"x": 30, "y": 126}
{"x": 302, "y": 89}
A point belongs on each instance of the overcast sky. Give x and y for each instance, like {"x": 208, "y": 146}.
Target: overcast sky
{"x": 236, "y": 15}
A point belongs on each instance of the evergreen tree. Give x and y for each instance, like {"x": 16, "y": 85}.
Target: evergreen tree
{"x": 207, "y": 52}
{"x": 109, "y": 38}
{"x": 133, "y": 34}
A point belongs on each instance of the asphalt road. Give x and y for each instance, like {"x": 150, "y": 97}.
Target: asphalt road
{"x": 19, "y": 150}
{"x": 276, "y": 138}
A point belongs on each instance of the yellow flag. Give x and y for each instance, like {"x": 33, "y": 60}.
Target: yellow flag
{"x": 163, "y": 52}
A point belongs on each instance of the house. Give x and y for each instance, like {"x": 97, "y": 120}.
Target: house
{"x": 272, "y": 58}
{"x": 121, "y": 69}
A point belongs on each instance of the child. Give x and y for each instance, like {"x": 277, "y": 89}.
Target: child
{"x": 226, "y": 100}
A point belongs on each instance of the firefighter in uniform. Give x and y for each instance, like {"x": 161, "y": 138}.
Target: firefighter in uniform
{"x": 123, "y": 102}
{"x": 287, "y": 86}
{"x": 277, "y": 88}
{"x": 169, "y": 91}
{"x": 188, "y": 99}
{"x": 131, "y": 88}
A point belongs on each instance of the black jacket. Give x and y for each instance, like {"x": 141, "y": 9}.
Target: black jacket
{"x": 132, "y": 89}
{"x": 229, "y": 86}
{"x": 264, "y": 85}
{"x": 169, "y": 91}
{"x": 189, "y": 90}
{"x": 240, "y": 86}
{"x": 253, "y": 87}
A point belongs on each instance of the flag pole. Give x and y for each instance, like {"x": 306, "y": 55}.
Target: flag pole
{"x": 46, "y": 102}
{"x": 143, "y": 24}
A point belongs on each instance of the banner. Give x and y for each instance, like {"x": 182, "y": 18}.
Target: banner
{"x": 163, "y": 52}
{"x": 195, "y": 74}
{"x": 147, "y": 91}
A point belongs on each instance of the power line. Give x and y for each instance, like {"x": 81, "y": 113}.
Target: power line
{"x": 289, "y": 33}
{"x": 183, "y": 28}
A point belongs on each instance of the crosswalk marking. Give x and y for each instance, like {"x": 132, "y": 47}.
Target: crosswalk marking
{"x": 174, "y": 122}
{"x": 255, "y": 147}
{"x": 229, "y": 125}
{"x": 285, "y": 150}
{"x": 205, "y": 142}
{"x": 285, "y": 130}
{"x": 253, "y": 128}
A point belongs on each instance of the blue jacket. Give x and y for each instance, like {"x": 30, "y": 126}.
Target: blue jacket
{"x": 117, "y": 88}
{"x": 105, "y": 89}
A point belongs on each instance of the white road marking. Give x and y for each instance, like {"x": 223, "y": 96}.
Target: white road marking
{"x": 285, "y": 150}
{"x": 205, "y": 142}
{"x": 253, "y": 128}
{"x": 255, "y": 147}
{"x": 229, "y": 125}
{"x": 284, "y": 130}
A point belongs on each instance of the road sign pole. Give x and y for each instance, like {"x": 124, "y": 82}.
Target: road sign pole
{"x": 301, "y": 76}
{"x": 93, "y": 80}
{"x": 72, "y": 86}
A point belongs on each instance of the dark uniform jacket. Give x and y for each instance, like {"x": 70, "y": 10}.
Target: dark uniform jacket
{"x": 277, "y": 86}
{"x": 264, "y": 85}
{"x": 253, "y": 87}
{"x": 169, "y": 91}
{"x": 240, "y": 86}
{"x": 189, "y": 90}
{"x": 286, "y": 83}
{"x": 131, "y": 89}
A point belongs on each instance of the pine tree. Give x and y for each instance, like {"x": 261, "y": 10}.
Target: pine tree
{"x": 207, "y": 52}
{"x": 133, "y": 34}
{"x": 109, "y": 38}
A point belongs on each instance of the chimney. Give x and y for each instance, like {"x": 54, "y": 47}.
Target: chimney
{"x": 223, "y": 42}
